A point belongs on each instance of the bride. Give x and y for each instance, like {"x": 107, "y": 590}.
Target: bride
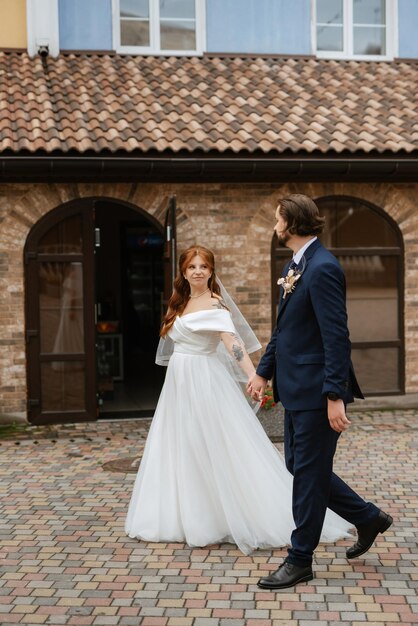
{"x": 209, "y": 473}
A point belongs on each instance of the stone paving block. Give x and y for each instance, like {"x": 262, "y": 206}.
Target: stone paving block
{"x": 316, "y": 606}
{"x": 170, "y": 602}
{"x": 382, "y": 618}
{"x": 243, "y": 604}
{"x": 218, "y": 604}
{"x": 256, "y": 614}
{"x": 176, "y": 613}
{"x": 305, "y": 615}
{"x": 281, "y": 615}
{"x": 152, "y": 611}
{"x": 33, "y": 619}
{"x": 228, "y": 613}
{"x": 246, "y": 595}
{"x": 199, "y": 613}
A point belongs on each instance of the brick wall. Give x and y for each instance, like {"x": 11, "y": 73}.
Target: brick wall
{"x": 235, "y": 220}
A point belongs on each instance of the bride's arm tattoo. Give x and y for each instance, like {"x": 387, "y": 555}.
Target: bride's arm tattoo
{"x": 237, "y": 350}
{"x": 220, "y": 304}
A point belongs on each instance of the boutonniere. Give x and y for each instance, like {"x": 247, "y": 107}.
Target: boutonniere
{"x": 289, "y": 282}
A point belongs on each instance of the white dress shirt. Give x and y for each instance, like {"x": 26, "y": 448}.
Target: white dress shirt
{"x": 299, "y": 254}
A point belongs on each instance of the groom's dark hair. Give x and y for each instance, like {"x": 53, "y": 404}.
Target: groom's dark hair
{"x": 301, "y": 215}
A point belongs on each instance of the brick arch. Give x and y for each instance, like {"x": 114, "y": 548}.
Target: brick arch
{"x": 396, "y": 200}
{"x": 384, "y": 215}
{"x": 34, "y": 201}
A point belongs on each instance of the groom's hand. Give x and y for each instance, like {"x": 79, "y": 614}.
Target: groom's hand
{"x": 256, "y": 387}
{"x": 338, "y": 420}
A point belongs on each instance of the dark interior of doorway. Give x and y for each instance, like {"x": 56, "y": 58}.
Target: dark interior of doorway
{"x": 129, "y": 288}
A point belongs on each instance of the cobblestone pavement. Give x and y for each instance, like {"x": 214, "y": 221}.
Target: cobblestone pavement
{"x": 66, "y": 560}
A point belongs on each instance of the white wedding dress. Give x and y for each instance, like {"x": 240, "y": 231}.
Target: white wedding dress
{"x": 209, "y": 473}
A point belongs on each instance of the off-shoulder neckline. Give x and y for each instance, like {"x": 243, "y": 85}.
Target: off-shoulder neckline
{"x": 201, "y": 311}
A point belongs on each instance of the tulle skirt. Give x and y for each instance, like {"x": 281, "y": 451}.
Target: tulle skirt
{"x": 209, "y": 473}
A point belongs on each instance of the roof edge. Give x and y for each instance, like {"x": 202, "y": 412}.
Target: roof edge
{"x": 205, "y": 169}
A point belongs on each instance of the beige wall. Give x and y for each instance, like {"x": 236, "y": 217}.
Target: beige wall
{"x": 13, "y": 24}
{"x": 234, "y": 220}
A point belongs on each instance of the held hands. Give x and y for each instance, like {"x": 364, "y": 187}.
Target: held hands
{"x": 336, "y": 416}
{"x": 256, "y": 387}
{"x": 338, "y": 420}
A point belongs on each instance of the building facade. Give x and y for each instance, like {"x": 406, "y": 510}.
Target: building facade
{"x": 355, "y": 29}
{"x": 132, "y": 128}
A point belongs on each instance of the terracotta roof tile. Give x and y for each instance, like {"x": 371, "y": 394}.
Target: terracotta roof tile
{"x": 120, "y": 103}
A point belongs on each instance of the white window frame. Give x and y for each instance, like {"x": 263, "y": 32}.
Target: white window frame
{"x": 392, "y": 39}
{"x": 155, "y": 47}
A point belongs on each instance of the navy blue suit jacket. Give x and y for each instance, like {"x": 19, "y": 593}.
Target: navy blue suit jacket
{"x": 309, "y": 353}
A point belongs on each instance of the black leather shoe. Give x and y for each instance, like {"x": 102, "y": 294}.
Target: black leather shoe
{"x": 367, "y": 535}
{"x": 286, "y": 576}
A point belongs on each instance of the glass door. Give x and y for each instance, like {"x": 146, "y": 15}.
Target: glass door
{"x": 59, "y": 316}
{"x": 129, "y": 287}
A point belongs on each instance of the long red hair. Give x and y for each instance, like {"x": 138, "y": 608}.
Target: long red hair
{"x": 181, "y": 291}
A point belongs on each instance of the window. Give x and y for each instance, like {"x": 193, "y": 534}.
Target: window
{"x": 355, "y": 29}
{"x": 169, "y": 27}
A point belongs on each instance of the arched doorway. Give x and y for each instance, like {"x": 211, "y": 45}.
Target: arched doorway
{"x": 94, "y": 297}
{"x": 369, "y": 246}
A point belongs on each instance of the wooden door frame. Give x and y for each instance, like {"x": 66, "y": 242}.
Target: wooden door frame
{"x": 170, "y": 249}
{"x": 32, "y": 314}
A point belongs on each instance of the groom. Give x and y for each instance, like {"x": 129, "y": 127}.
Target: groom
{"x": 308, "y": 357}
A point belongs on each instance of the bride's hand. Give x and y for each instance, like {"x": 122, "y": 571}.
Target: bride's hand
{"x": 256, "y": 387}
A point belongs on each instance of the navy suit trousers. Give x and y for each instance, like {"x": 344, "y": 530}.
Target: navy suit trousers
{"x": 310, "y": 445}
